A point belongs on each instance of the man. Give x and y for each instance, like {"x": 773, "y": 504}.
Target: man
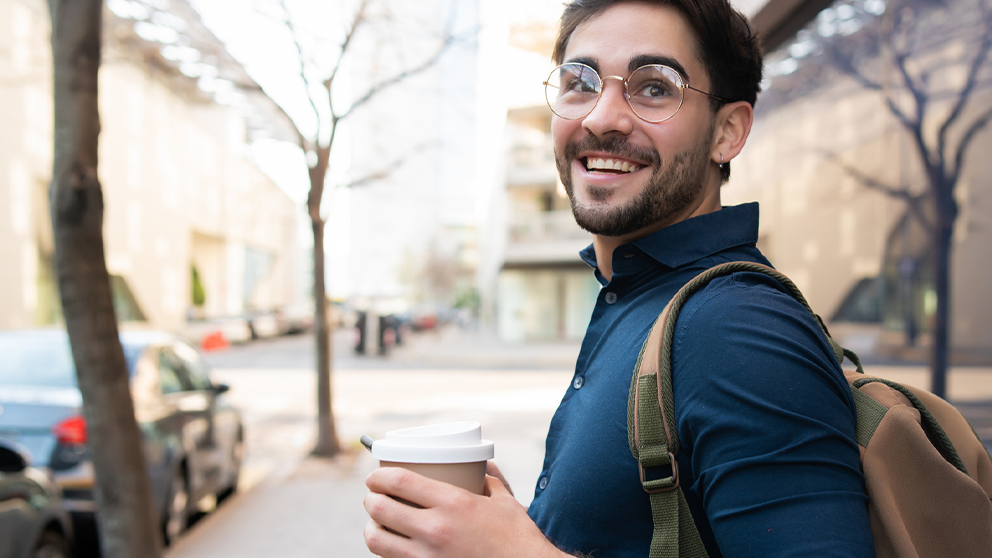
{"x": 651, "y": 102}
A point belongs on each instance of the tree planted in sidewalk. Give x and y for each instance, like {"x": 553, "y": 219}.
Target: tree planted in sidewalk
{"x": 323, "y": 98}
{"x": 126, "y": 518}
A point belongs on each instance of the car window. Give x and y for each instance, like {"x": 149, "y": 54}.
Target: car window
{"x": 44, "y": 361}
{"x": 36, "y": 361}
{"x": 195, "y": 367}
{"x": 169, "y": 372}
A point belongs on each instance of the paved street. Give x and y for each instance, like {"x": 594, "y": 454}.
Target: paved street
{"x": 294, "y": 506}
{"x": 291, "y": 505}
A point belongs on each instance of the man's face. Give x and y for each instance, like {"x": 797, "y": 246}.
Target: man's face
{"x": 668, "y": 162}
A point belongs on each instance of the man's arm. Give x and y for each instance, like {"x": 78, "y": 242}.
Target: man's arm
{"x": 767, "y": 420}
{"x": 451, "y": 523}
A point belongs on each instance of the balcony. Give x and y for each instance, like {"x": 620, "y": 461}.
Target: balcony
{"x": 530, "y": 160}
{"x": 548, "y": 237}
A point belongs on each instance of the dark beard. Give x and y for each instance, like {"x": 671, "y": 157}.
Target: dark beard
{"x": 668, "y": 191}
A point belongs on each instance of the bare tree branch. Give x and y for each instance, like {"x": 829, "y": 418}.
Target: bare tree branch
{"x": 385, "y": 170}
{"x": 965, "y": 93}
{"x": 913, "y": 125}
{"x": 329, "y": 82}
{"x": 846, "y": 64}
{"x": 912, "y": 200}
{"x": 972, "y": 131}
{"x": 256, "y": 88}
{"x": 288, "y": 21}
{"x": 378, "y": 87}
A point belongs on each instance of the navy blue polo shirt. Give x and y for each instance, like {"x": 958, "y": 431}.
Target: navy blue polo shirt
{"x": 769, "y": 462}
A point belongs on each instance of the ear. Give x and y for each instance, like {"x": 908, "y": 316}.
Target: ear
{"x": 733, "y": 124}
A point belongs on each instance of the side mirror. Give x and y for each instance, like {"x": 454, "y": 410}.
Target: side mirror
{"x": 11, "y": 461}
{"x": 221, "y": 388}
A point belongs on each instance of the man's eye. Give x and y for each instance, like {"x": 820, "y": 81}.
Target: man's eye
{"x": 579, "y": 86}
{"x": 653, "y": 90}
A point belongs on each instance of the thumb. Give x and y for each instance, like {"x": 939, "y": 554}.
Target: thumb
{"x": 495, "y": 488}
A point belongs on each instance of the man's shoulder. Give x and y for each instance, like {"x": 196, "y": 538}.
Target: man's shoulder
{"x": 735, "y": 290}
{"x": 746, "y": 309}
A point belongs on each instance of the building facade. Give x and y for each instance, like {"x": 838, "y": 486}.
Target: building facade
{"x": 180, "y": 192}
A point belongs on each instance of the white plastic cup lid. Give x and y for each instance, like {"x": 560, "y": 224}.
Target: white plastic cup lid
{"x": 452, "y": 442}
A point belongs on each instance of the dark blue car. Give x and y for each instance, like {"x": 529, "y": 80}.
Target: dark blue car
{"x": 193, "y": 438}
{"x": 32, "y": 521}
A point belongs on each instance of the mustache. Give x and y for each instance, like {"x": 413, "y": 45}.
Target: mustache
{"x": 614, "y": 145}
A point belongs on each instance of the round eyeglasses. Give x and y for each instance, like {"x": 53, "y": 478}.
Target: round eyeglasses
{"x": 654, "y": 92}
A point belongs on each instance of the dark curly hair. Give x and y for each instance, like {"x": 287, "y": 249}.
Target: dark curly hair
{"x": 728, "y": 47}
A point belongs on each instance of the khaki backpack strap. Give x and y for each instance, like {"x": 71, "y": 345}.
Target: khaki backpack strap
{"x": 654, "y": 447}
{"x": 651, "y": 433}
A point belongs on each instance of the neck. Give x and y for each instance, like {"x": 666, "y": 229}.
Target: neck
{"x": 605, "y": 245}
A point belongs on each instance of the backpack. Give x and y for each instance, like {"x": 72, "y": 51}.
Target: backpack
{"x": 927, "y": 474}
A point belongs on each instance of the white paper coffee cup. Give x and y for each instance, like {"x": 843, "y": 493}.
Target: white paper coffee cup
{"x": 452, "y": 452}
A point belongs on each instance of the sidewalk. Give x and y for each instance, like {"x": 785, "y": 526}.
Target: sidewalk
{"x": 314, "y": 508}
{"x": 316, "y": 511}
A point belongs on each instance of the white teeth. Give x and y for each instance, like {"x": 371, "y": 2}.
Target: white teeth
{"x": 610, "y": 164}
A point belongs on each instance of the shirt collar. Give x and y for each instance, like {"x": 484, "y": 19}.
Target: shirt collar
{"x": 693, "y": 239}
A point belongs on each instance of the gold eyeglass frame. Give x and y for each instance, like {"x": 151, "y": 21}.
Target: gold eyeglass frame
{"x": 682, "y": 85}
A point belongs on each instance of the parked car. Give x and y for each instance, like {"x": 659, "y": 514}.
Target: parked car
{"x": 264, "y": 324}
{"x": 193, "y": 437}
{"x": 298, "y": 317}
{"x": 32, "y": 521}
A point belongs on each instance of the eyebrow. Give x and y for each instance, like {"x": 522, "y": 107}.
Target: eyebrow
{"x": 591, "y": 62}
{"x": 649, "y": 59}
{"x": 638, "y": 61}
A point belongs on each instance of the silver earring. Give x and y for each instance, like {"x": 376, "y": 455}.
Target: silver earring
{"x": 721, "y": 160}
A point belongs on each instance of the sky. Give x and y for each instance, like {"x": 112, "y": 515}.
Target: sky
{"x": 255, "y": 36}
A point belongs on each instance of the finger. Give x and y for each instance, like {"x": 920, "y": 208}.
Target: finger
{"x": 395, "y": 517}
{"x": 382, "y": 542}
{"x": 412, "y": 487}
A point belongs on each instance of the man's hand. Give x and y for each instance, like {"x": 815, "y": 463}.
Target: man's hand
{"x": 493, "y": 470}
{"x": 452, "y": 522}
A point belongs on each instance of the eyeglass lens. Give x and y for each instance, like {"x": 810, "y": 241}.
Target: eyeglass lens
{"x": 654, "y": 92}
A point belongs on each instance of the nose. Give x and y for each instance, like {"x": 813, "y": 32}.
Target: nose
{"x": 612, "y": 113}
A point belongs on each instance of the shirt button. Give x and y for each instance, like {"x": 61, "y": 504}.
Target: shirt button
{"x": 611, "y": 297}
{"x": 578, "y": 382}
{"x": 543, "y": 483}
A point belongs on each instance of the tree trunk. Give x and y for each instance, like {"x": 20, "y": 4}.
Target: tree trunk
{"x": 943, "y": 234}
{"x": 327, "y": 439}
{"x": 126, "y": 518}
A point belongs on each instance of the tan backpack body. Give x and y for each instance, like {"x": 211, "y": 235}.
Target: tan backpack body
{"x": 927, "y": 474}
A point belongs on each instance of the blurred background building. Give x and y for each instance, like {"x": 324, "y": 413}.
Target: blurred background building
{"x": 186, "y": 211}
{"x": 544, "y": 291}
{"x": 465, "y": 211}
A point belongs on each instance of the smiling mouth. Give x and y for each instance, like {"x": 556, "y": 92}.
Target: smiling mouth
{"x": 610, "y": 166}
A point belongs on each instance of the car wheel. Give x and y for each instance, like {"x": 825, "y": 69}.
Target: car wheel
{"x": 177, "y": 508}
{"x": 51, "y": 544}
{"x": 237, "y": 456}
